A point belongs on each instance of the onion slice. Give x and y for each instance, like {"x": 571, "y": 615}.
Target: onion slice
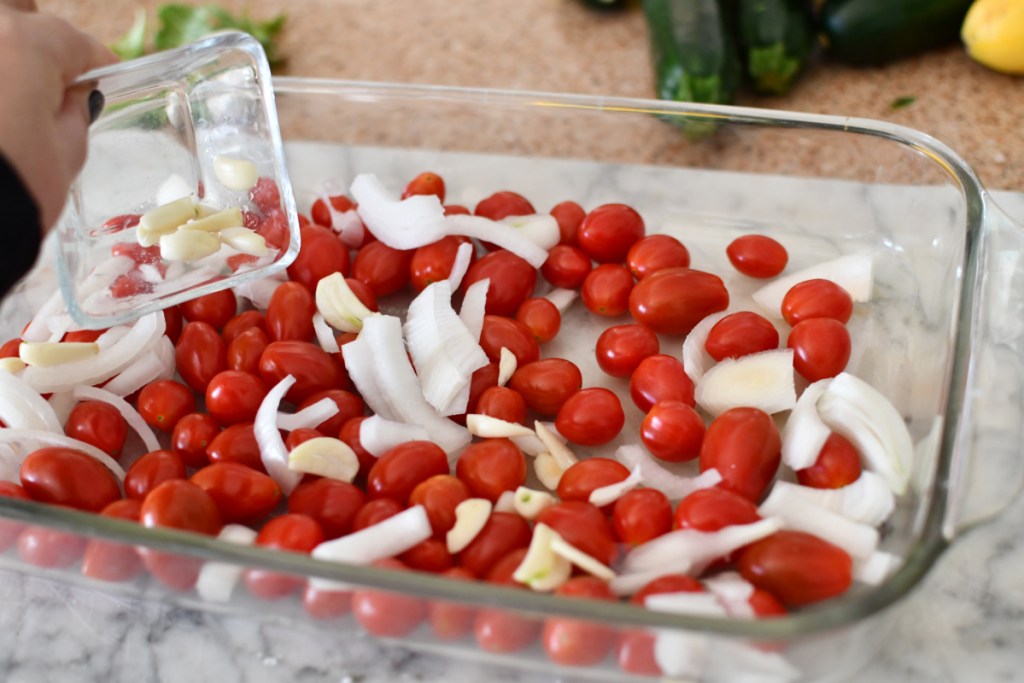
{"x": 852, "y": 272}
{"x": 156, "y": 363}
{"x": 875, "y": 568}
{"x": 655, "y": 476}
{"x": 130, "y": 415}
{"x": 796, "y": 512}
{"x": 309, "y": 417}
{"x": 696, "y": 359}
{"x": 378, "y": 435}
{"x": 38, "y": 329}
{"x": 218, "y": 579}
{"x": 869, "y": 500}
{"x": 404, "y": 224}
{"x": 606, "y": 495}
{"x": 804, "y": 434}
{"x": 463, "y": 257}
{"x": 258, "y": 292}
{"x": 562, "y": 298}
{"x": 488, "y": 427}
{"x": 504, "y": 236}
{"x": 272, "y": 449}
{"x": 539, "y": 228}
{"x": 474, "y": 303}
{"x": 31, "y": 439}
{"x": 21, "y": 406}
{"x": 762, "y": 380}
{"x": 733, "y": 593}
{"x": 324, "y": 335}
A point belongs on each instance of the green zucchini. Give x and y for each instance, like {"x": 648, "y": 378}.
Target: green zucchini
{"x": 777, "y": 38}
{"x": 882, "y": 31}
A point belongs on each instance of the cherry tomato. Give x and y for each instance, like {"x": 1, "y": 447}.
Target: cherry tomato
{"x": 199, "y": 355}
{"x": 672, "y": 431}
{"x": 297, "y": 437}
{"x": 374, "y": 512}
{"x": 245, "y": 320}
{"x": 673, "y": 300}
{"x": 566, "y": 266}
{"x": 83, "y": 335}
{"x": 11, "y": 348}
{"x": 541, "y": 317}
{"x": 451, "y": 620}
{"x": 491, "y": 467}
{"x": 65, "y": 476}
{"x": 291, "y": 533}
{"x": 192, "y": 436}
{"x": 816, "y": 299}
{"x": 660, "y": 378}
{"x": 49, "y": 548}
{"x": 481, "y": 380}
{"x": 130, "y": 284}
{"x": 108, "y": 561}
{"x": 349, "y": 406}
{"x": 574, "y": 642}
{"x": 430, "y": 555}
{"x": 9, "y": 530}
{"x": 502, "y": 403}
{"x": 570, "y": 216}
{"x": 313, "y": 368}
{"x": 242, "y": 494}
{"x": 606, "y": 290}
{"x": 499, "y": 332}
{"x": 274, "y": 229}
{"x": 324, "y": 603}
{"x": 385, "y": 614}
{"x": 741, "y": 334}
{"x": 503, "y": 632}
{"x": 363, "y": 293}
{"x": 714, "y": 509}
{"x": 796, "y": 567}
{"x": 821, "y": 348}
{"x": 163, "y": 402}
{"x": 244, "y": 351}
{"x": 214, "y": 309}
{"x": 321, "y": 254}
{"x": 621, "y": 348}
{"x": 290, "y": 313}
{"x": 331, "y": 502}
{"x": 99, "y": 424}
{"x": 173, "y": 323}
{"x": 321, "y": 214}
{"x": 440, "y": 495}
{"x": 641, "y": 515}
{"x": 608, "y": 232}
{"x": 177, "y": 504}
{"x": 397, "y": 472}
{"x": 838, "y": 464}
{"x": 669, "y": 583}
{"x": 547, "y": 384}
{"x": 654, "y": 253}
{"x": 265, "y": 194}
{"x": 433, "y": 262}
{"x": 765, "y": 604}
{"x": 119, "y": 223}
{"x": 350, "y": 435}
{"x": 580, "y": 480}
{"x": 425, "y": 183}
{"x": 584, "y": 526}
{"x": 744, "y": 446}
{"x": 151, "y": 470}
{"x": 383, "y": 269}
{"x": 591, "y": 417}
{"x": 757, "y": 256}
{"x": 503, "y": 533}
{"x": 504, "y": 204}
{"x": 455, "y": 210}
{"x": 635, "y": 653}
{"x": 238, "y": 444}
{"x": 512, "y": 281}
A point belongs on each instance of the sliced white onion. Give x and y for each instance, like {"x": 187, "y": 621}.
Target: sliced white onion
{"x": 853, "y": 408}
{"x": 463, "y": 257}
{"x": 655, "y": 476}
{"x": 156, "y": 363}
{"x": 62, "y": 403}
{"x": 111, "y": 360}
{"x": 174, "y": 187}
{"x": 762, "y": 380}
{"x": 130, "y": 415}
{"x": 21, "y": 406}
{"x": 696, "y": 359}
{"x": 471, "y": 517}
{"x": 38, "y": 328}
{"x": 488, "y": 427}
{"x": 541, "y": 568}
{"x": 339, "y": 305}
{"x": 562, "y": 298}
{"x": 539, "y": 228}
{"x": 587, "y": 563}
{"x": 59, "y": 326}
{"x": 272, "y": 449}
{"x": 852, "y": 272}
{"x": 875, "y": 568}
{"x": 404, "y": 224}
{"x": 606, "y": 495}
{"x": 309, "y": 417}
{"x": 28, "y": 440}
{"x": 733, "y": 593}
{"x": 800, "y": 514}
{"x": 324, "y": 334}
{"x": 529, "y": 444}
{"x": 805, "y": 434}
{"x": 10, "y": 464}
{"x": 218, "y": 579}
{"x": 150, "y": 273}
{"x": 258, "y": 292}
{"x": 112, "y": 336}
{"x": 325, "y": 457}
{"x": 506, "y": 237}
{"x": 697, "y": 603}
{"x": 474, "y": 303}
{"x": 507, "y": 364}
{"x": 869, "y": 500}
{"x": 378, "y": 435}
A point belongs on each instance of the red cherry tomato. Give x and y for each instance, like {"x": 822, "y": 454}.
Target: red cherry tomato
{"x": 433, "y": 262}
{"x": 425, "y": 183}
{"x": 499, "y": 332}
{"x": 673, "y": 300}
{"x": 757, "y": 256}
{"x": 397, "y": 472}
{"x": 192, "y": 436}
{"x": 575, "y": 642}
{"x": 238, "y": 444}
{"x": 583, "y": 477}
{"x": 297, "y": 437}
{"x": 838, "y": 464}
{"x": 765, "y": 604}
{"x": 503, "y": 533}
{"x": 504, "y": 204}
{"x": 482, "y": 379}
{"x": 324, "y": 603}
{"x": 591, "y": 417}
{"x": 108, "y": 561}
{"x": 49, "y": 548}
{"x": 821, "y": 348}
{"x": 383, "y": 269}
{"x": 291, "y": 533}
{"x": 816, "y": 299}
{"x": 350, "y": 435}
{"x": 65, "y": 476}
{"x": 608, "y": 232}
{"x": 584, "y": 526}
{"x": 796, "y": 567}
{"x": 321, "y": 214}
{"x": 163, "y": 402}
{"x": 669, "y": 583}
{"x": 430, "y": 555}
{"x": 349, "y": 406}
{"x": 242, "y": 494}
{"x": 265, "y": 194}
{"x": 177, "y": 504}
{"x": 660, "y": 378}
{"x": 128, "y": 285}
{"x": 491, "y": 467}
{"x": 331, "y": 502}
{"x": 744, "y": 446}
{"x": 244, "y": 351}
{"x": 654, "y": 253}
{"x": 566, "y": 266}
{"x": 512, "y": 281}
{"x": 199, "y": 355}
{"x": 635, "y": 653}
{"x": 151, "y": 470}
{"x": 570, "y": 216}
{"x": 621, "y": 348}
{"x": 274, "y": 229}
{"x": 375, "y": 512}
{"x": 99, "y": 424}
{"x": 321, "y": 254}
{"x": 741, "y": 334}
{"x": 11, "y": 348}
{"x": 502, "y": 403}
{"x": 214, "y": 309}
{"x": 385, "y": 614}
{"x": 290, "y": 313}
{"x": 245, "y": 320}
{"x": 233, "y": 396}
{"x": 440, "y": 495}
{"x": 363, "y": 293}
{"x": 173, "y": 323}
{"x": 313, "y": 368}
{"x": 541, "y": 317}
{"x": 713, "y": 509}
{"x": 672, "y": 431}
{"x": 9, "y": 530}
{"x": 641, "y": 515}
{"x": 606, "y": 290}
{"x": 82, "y": 336}
{"x": 502, "y": 632}
{"x": 451, "y": 620}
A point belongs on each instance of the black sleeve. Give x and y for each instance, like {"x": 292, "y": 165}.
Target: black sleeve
{"x": 22, "y": 232}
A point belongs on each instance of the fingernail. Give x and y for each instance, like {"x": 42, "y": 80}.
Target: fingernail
{"x": 96, "y": 101}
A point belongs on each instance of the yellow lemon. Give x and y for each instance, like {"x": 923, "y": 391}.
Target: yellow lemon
{"x": 993, "y": 32}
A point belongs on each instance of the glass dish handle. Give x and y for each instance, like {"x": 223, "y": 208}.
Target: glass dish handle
{"x": 988, "y": 470}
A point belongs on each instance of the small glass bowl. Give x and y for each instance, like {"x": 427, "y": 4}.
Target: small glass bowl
{"x": 167, "y": 117}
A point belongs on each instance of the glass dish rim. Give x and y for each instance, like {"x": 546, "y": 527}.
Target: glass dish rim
{"x": 934, "y": 536}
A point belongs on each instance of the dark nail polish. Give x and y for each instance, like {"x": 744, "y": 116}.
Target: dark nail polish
{"x": 96, "y": 101}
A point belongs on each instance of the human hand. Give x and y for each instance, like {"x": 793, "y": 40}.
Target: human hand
{"x": 43, "y": 121}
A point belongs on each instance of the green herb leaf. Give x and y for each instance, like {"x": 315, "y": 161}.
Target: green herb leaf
{"x": 133, "y": 43}
{"x": 901, "y": 102}
{"x": 181, "y": 24}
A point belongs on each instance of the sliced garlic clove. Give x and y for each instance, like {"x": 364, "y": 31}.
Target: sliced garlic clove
{"x": 548, "y": 471}
{"x": 762, "y": 380}
{"x": 164, "y": 219}
{"x": 325, "y": 457}
{"x": 564, "y": 457}
{"x": 244, "y": 240}
{"x": 235, "y": 174}
{"x": 48, "y": 354}
{"x": 586, "y": 562}
{"x": 507, "y": 363}
{"x": 529, "y": 503}
{"x": 488, "y": 427}
{"x": 11, "y": 365}
{"x": 542, "y": 569}
{"x": 506, "y": 502}
{"x": 608, "y": 494}
{"x": 228, "y": 218}
{"x": 339, "y": 305}
{"x": 188, "y": 245}
{"x": 471, "y": 516}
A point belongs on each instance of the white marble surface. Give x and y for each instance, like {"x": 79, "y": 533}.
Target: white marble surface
{"x": 965, "y": 622}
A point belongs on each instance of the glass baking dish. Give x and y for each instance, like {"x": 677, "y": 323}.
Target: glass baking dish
{"x": 942, "y": 337}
